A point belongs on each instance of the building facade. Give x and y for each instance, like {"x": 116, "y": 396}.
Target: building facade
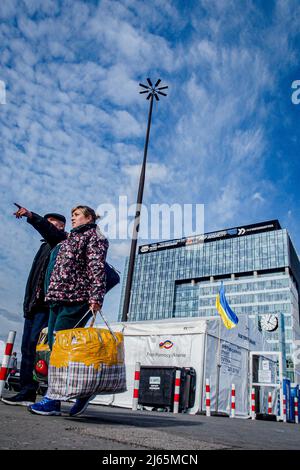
{"x": 259, "y": 268}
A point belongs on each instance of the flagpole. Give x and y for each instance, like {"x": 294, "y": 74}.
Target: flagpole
{"x": 230, "y": 320}
{"x": 218, "y": 366}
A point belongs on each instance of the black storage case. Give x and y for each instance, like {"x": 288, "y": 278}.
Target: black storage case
{"x": 157, "y": 385}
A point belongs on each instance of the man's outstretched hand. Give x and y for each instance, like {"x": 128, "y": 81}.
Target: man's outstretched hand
{"x": 22, "y": 212}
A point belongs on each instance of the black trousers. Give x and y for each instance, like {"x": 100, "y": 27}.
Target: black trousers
{"x": 31, "y": 332}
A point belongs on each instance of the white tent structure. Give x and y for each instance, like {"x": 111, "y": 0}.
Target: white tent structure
{"x": 192, "y": 342}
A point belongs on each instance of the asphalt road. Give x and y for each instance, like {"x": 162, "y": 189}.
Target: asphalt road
{"x": 108, "y": 428}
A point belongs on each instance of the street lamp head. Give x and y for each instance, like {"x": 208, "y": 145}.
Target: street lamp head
{"x": 153, "y": 90}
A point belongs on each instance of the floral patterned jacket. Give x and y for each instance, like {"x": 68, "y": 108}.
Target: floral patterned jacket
{"x": 79, "y": 273}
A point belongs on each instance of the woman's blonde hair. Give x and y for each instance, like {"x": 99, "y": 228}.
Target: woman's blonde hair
{"x": 87, "y": 211}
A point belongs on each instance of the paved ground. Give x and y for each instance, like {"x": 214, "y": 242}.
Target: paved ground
{"x": 106, "y": 428}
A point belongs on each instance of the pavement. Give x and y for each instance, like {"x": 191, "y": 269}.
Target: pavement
{"x": 110, "y": 428}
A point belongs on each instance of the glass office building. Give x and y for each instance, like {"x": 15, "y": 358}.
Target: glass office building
{"x": 259, "y": 268}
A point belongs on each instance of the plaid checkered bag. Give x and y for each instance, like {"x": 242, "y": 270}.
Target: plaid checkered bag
{"x": 86, "y": 361}
{"x": 78, "y": 380}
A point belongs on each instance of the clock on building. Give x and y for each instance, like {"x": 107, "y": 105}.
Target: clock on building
{"x": 269, "y": 322}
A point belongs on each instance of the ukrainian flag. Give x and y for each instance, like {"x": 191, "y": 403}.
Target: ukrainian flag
{"x": 229, "y": 318}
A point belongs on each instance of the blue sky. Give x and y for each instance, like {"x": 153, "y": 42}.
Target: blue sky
{"x": 73, "y": 126}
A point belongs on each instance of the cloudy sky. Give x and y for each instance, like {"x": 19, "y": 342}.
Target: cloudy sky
{"x": 73, "y": 126}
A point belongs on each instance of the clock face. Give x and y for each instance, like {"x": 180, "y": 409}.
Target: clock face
{"x": 269, "y": 322}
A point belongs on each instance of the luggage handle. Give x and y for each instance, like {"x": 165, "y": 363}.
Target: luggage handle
{"x": 94, "y": 319}
{"x": 106, "y": 323}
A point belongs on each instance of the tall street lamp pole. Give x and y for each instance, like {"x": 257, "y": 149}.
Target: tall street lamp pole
{"x": 153, "y": 91}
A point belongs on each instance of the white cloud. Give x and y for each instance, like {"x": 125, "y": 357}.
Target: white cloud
{"x": 2, "y": 349}
{"x": 126, "y": 125}
{"x": 120, "y": 250}
{"x": 8, "y": 9}
{"x": 137, "y": 48}
{"x": 49, "y": 7}
{"x": 2, "y": 93}
{"x": 156, "y": 172}
{"x": 10, "y": 322}
{"x": 258, "y": 197}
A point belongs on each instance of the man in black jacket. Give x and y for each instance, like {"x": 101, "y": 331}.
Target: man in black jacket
{"x": 36, "y": 312}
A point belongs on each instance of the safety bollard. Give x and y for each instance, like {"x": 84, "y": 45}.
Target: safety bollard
{"x": 5, "y": 362}
{"x": 284, "y": 409}
{"x": 269, "y": 403}
{"x": 207, "y": 396}
{"x": 296, "y": 410}
{"x": 136, "y": 386}
{"x": 253, "y": 406}
{"x": 177, "y": 391}
{"x": 232, "y": 410}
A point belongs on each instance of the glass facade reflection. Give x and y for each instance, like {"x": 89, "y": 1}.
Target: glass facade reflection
{"x": 260, "y": 272}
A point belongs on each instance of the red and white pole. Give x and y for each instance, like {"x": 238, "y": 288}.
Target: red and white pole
{"x": 177, "y": 391}
{"x": 207, "y": 397}
{"x": 296, "y": 410}
{"x": 284, "y": 408}
{"x": 232, "y": 411}
{"x": 6, "y": 358}
{"x": 253, "y": 405}
{"x": 269, "y": 403}
{"x": 136, "y": 386}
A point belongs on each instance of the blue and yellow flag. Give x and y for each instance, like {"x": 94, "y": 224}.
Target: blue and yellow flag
{"x": 229, "y": 318}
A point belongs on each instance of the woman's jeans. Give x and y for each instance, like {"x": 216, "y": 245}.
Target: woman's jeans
{"x": 65, "y": 316}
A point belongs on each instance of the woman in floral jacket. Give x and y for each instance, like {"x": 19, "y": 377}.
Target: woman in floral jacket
{"x": 75, "y": 283}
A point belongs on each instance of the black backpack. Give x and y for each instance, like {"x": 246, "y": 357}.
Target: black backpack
{"x": 112, "y": 276}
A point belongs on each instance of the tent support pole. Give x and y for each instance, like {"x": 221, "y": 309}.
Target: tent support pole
{"x": 202, "y": 378}
{"x": 218, "y": 367}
